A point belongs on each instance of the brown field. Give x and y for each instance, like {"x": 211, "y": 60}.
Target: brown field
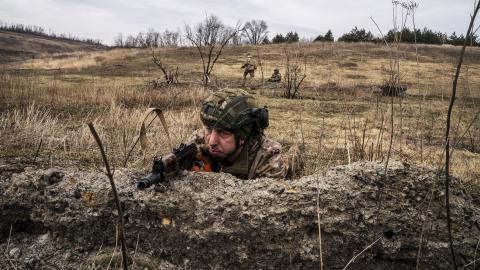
{"x": 340, "y": 116}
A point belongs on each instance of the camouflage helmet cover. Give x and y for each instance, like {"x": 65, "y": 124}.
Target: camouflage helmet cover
{"x": 232, "y": 110}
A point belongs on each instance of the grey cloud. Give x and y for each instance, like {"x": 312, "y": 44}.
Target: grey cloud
{"x": 104, "y": 19}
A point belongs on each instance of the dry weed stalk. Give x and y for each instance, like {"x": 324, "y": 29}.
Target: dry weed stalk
{"x": 114, "y": 252}
{"x": 352, "y": 260}
{"x": 260, "y": 62}
{"x": 447, "y": 135}
{"x": 419, "y": 252}
{"x": 391, "y": 136}
{"x": 115, "y": 195}
{"x": 142, "y": 137}
{"x": 5, "y": 252}
{"x": 319, "y": 221}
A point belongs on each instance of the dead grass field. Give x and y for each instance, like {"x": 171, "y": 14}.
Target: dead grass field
{"x": 45, "y": 104}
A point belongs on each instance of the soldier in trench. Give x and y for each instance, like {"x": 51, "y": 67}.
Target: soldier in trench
{"x": 232, "y": 139}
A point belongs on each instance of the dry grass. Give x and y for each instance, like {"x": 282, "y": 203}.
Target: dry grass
{"x": 341, "y": 116}
{"x": 78, "y": 60}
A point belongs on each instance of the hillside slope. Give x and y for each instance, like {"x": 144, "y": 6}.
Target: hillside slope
{"x": 19, "y": 46}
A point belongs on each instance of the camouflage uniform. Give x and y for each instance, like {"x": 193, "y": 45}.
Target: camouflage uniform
{"x": 276, "y": 76}
{"x": 236, "y": 111}
{"x": 250, "y": 68}
{"x": 261, "y": 158}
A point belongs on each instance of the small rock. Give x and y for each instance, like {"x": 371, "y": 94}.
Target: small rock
{"x": 43, "y": 239}
{"x": 15, "y": 253}
{"x": 230, "y": 182}
{"x": 68, "y": 255}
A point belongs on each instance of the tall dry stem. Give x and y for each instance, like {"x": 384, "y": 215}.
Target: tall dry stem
{"x": 115, "y": 195}
{"x": 447, "y": 136}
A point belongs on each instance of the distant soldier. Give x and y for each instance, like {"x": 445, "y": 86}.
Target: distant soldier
{"x": 249, "y": 67}
{"x": 276, "y": 76}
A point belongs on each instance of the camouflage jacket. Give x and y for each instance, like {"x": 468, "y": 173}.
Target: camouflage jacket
{"x": 249, "y": 65}
{"x": 276, "y": 77}
{"x": 261, "y": 158}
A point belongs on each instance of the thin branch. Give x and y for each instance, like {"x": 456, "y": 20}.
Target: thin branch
{"x": 475, "y": 255}
{"x": 38, "y": 150}
{"x": 135, "y": 144}
{"x": 115, "y": 195}
{"x": 319, "y": 221}
{"x": 391, "y": 137}
{"x": 472, "y": 262}
{"x": 379, "y": 30}
{"x": 464, "y": 133}
{"x": 9, "y": 237}
{"x": 447, "y": 138}
{"x": 352, "y": 260}
{"x": 135, "y": 252}
{"x": 419, "y": 253}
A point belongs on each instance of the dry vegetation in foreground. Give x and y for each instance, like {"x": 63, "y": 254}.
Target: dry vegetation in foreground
{"x": 340, "y": 116}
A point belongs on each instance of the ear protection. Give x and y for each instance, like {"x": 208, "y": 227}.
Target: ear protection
{"x": 261, "y": 117}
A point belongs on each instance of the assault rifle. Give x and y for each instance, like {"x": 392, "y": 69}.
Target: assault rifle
{"x": 180, "y": 158}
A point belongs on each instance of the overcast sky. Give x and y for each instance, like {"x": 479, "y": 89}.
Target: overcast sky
{"x": 104, "y": 19}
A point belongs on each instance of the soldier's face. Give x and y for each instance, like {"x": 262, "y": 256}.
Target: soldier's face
{"x": 221, "y": 143}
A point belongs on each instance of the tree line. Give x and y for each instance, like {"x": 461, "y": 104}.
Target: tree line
{"x": 424, "y": 36}
{"x": 256, "y": 32}
{"x": 40, "y": 31}
{"x": 253, "y": 32}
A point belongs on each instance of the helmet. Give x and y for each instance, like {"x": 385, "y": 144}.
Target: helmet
{"x": 234, "y": 110}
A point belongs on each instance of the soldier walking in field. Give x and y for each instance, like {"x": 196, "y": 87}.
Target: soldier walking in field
{"x": 249, "y": 67}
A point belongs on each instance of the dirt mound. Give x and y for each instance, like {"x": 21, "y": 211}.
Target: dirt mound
{"x": 64, "y": 218}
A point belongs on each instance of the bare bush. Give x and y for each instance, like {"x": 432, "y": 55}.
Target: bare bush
{"x": 171, "y": 77}
{"x": 294, "y": 73}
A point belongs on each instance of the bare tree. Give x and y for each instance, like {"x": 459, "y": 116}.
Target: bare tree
{"x": 152, "y": 38}
{"x": 210, "y": 37}
{"x": 140, "y": 40}
{"x": 237, "y": 39}
{"x": 170, "y": 39}
{"x": 130, "y": 42}
{"x": 118, "y": 40}
{"x": 255, "y": 31}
